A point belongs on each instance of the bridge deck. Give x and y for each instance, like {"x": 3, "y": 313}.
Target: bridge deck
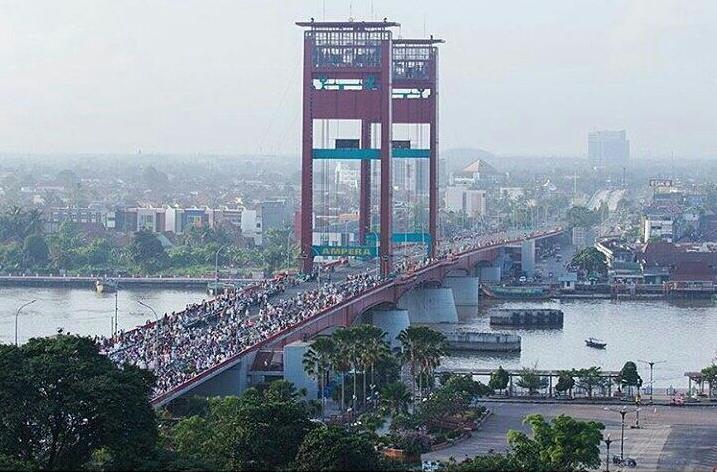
{"x": 344, "y": 312}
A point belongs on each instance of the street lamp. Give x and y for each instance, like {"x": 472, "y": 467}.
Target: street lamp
{"x": 17, "y": 315}
{"x": 216, "y": 265}
{"x": 156, "y": 322}
{"x": 608, "y": 441}
{"x": 623, "y": 411}
{"x": 652, "y": 365}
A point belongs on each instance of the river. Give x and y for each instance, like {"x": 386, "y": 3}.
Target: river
{"x": 682, "y": 333}
{"x": 83, "y": 311}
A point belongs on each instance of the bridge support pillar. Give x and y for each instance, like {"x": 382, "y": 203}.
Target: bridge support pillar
{"x": 294, "y": 369}
{"x": 466, "y": 289}
{"x": 427, "y": 305}
{"x": 231, "y": 382}
{"x": 527, "y": 257}
{"x": 391, "y": 321}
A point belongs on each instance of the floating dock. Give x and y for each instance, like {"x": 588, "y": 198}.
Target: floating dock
{"x": 528, "y": 318}
{"x": 466, "y": 339}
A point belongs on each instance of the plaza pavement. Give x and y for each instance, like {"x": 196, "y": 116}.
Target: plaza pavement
{"x": 671, "y": 438}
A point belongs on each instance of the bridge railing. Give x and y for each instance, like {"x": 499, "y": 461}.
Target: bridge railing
{"x": 216, "y": 369}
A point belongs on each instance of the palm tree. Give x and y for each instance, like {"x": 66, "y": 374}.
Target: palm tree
{"x": 422, "y": 348}
{"x": 372, "y": 349}
{"x": 396, "y": 397}
{"x": 317, "y": 361}
{"x": 341, "y": 359}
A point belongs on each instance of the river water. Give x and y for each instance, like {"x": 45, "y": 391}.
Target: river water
{"x": 684, "y": 334}
{"x": 83, "y": 311}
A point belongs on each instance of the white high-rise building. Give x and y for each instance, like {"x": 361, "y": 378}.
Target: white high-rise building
{"x": 608, "y": 147}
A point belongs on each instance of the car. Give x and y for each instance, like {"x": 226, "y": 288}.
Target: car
{"x": 523, "y": 279}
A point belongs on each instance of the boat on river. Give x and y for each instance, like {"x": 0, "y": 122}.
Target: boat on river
{"x": 106, "y": 285}
{"x": 595, "y": 343}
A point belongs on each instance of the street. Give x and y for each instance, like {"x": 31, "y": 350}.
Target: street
{"x": 671, "y": 438}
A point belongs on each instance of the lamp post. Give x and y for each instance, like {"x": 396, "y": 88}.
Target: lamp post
{"x": 623, "y": 411}
{"x": 17, "y": 315}
{"x": 608, "y": 441}
{"x": 156, "y": 321}
{"x": 652, "y": 365}
{"x": 216, "y": 265}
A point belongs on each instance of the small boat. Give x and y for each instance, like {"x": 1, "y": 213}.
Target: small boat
{"x": 106, "y": 285}
{"x": 595, "y": 343}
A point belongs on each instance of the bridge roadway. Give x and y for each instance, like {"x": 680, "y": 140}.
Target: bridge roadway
{"x": 347, "y": 311}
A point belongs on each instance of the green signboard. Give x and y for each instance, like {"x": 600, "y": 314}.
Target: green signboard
{"x": 339, "y": 251}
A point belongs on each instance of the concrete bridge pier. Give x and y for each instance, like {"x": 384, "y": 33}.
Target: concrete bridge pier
{"x": 527, "y": 257}
{"x": 427, "y": 305}
{"x": 230, "y": 382}
{"x": 466, "y": 290}
{"x": 392, "y": 321}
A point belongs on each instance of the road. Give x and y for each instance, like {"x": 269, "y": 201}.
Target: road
{"x": 672, "y": 438}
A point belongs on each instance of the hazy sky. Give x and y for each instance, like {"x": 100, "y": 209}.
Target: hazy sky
{"x": 222, "y": 76}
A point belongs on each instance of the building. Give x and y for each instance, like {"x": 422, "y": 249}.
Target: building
{"x": 662, "y": 222}
{"x": 478, "y": 173}
{"x": 608, "y": 147}
{"x": 461, "y": 199}
{"x": 88, "y": 219}
{"x": 583, "y": 237}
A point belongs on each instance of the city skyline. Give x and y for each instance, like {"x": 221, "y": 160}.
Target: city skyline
{"x": 183, "y": 78}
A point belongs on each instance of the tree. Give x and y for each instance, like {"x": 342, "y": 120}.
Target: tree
{"x": 146, "y": 251}
{"x": 709, "y": 374}
{"x": 335, "y": 449}
{"x": 61, "y": 401}
{"x": 629, "y": 376}
{"x": 260, "y": 430}
{"x": 531, "y": 380}
{"x": 564, "y": 444}
{"x": 396, "y": 397}
{"x": 590, "y": 260}
{"x": 372, "y": 349}
{"x": 34, "y": 250}
{"x": 317, "y": 362}
{"x": 589, "y": 379}
{"x": 566, "y": 382}
{"x": 582, "y": 217}
{"x": 422, "y": 349}
{"x": 499, "y": 379}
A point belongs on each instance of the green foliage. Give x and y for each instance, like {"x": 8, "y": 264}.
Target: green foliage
{"x": 499, "y": 379}
{"x": 35, "y": 251}
{"x": 61, "y": 401}
{"x": 396, "y": 397}
{"x": 582, "y": 217}
{"x": 146, "y": 251}
{"x": 422, "y": 349}
{"x": 629, "y": 375}
{"x": 260, "y": 430}
{"x": 16, "y": 224}
{"x": 566, "y": 381}
{"x": 590, "y": 260}
{"x": 335, "y": 449}
{"x": 589, "y": 379}
{"x": 531, "y": 380}
{"x": 709, "y": 374}
{"x": 564, "y": 444}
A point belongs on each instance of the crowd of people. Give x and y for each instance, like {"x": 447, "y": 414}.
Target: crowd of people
{"x": 180, "y": 345}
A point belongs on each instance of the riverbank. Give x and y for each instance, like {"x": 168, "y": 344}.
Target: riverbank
{"x": 85, "y": 282}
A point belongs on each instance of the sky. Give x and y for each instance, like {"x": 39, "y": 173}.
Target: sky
{"x": 223, "y": 76}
